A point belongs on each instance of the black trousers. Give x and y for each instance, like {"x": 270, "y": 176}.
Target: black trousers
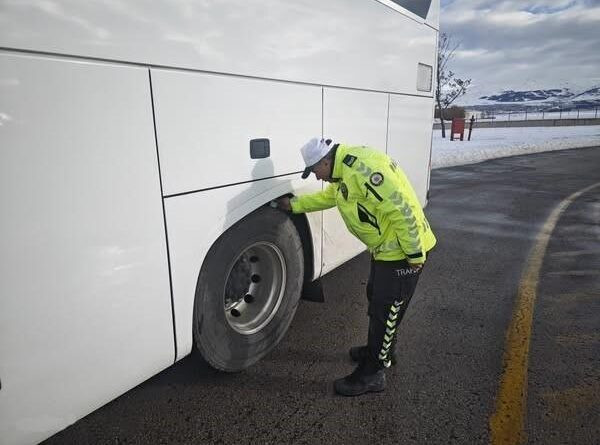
{"x": 389, "y": 291}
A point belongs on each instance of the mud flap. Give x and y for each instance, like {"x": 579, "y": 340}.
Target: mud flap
{"x": 313, "y": 291}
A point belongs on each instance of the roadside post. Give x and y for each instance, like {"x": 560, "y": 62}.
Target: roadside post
{"x": 471, "y": 126}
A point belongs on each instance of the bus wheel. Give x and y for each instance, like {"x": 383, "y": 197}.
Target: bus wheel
{"x": 248, "y": 290}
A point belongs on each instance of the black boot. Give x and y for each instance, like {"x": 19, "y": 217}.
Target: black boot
{"x": 364, "y": 379}
{"x": 359, "y": 353}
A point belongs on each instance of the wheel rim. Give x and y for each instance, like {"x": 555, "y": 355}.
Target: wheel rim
{"x": 254, "y": 288}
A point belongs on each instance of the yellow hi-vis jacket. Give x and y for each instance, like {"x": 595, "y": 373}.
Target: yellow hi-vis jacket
{"x": 377, "y": 203}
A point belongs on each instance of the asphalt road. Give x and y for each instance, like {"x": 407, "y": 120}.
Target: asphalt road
{"x": 451, "y": 342}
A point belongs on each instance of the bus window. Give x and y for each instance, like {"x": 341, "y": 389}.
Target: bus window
{"x": 417, "y": 7}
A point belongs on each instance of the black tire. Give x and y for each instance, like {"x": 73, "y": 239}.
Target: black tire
{"x": 255, "y": 246}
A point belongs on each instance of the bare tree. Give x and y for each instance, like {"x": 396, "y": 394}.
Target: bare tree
{"x": 449, "y": 87}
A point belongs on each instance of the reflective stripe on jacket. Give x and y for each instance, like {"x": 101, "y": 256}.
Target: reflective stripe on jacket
{"x": 377, "y": 203}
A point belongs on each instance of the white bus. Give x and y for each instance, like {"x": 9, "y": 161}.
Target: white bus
{"x": 140, "y": 145}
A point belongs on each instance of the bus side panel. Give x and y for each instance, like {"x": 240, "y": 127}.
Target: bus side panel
{"x": 195, "y": 221}
{"x": 85, "y": 310}
{"x": 355, "y": 118}
{"x": 352, "y": 43}
{"x": 409, "y": 139}
{"x": 205, "y": 124}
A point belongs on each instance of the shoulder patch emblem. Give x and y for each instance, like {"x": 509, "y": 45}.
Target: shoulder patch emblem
{"x": 349, "y": 160}
{"x": 376, "y": 178}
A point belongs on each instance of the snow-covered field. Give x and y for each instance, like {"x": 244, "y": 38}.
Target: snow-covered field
{"x": 489, "y": 143}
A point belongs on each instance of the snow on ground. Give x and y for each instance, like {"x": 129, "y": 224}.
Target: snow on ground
{"x": 489, "y": 143}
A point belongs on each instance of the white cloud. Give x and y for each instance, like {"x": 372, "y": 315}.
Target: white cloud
{"x": 512, "y": 18}
{"x": 524, "y": 44}
{"x": 477, "y": 54}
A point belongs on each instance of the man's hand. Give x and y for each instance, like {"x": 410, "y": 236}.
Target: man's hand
{"x": 284, "y": 204}
{"x": 416, "y": 266}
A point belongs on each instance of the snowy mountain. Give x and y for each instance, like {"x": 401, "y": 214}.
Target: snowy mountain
{"x": 589, "y": 98}
{"x": 529, "y": 96}
{"x": 554, "y": 98}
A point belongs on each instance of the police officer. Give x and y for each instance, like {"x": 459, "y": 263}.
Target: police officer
{"x": 379, "y": 207}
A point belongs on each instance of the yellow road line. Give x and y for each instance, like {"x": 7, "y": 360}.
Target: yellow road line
{"x": 508, "y": 420}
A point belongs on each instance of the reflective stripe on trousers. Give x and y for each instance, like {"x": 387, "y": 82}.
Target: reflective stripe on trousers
{"x": 389, "y": 291}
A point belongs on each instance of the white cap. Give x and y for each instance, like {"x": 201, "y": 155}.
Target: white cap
{"x": 313, "y": 151}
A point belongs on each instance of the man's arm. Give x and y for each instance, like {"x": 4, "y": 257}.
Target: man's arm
{"x": 312, "y": 202}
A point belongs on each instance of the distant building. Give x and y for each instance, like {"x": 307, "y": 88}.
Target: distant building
{"x": 477, "y": 113}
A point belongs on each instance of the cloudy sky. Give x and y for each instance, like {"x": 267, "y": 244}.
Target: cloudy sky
{"x": 524, "y": 44}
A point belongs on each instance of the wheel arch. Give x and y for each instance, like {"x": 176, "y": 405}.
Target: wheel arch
{"x": 306, "y": 227}
{"x": 304, "y": 230}
{"x": 302, "y": 224}
{"x": 260, "y": 223}
{"x": 192, "y": 234}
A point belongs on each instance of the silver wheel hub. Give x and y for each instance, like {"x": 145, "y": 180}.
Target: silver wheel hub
{"x": 254, "y": 288}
